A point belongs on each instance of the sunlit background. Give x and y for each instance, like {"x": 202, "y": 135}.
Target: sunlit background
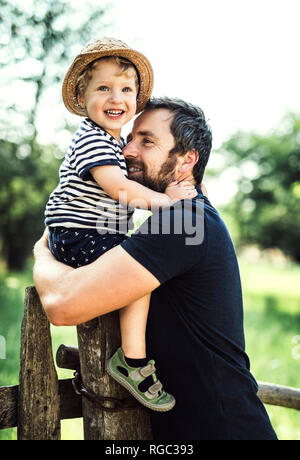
{"x": 239, "y": 61}
{"x": 236, "y": 59}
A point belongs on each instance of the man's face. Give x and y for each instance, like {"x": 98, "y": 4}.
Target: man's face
{"x": 148, "y": 148}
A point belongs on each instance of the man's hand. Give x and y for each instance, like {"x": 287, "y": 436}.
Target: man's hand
{"x": 73, "y": 296}
{"x": 204, "y": 191}
{"x": 48, "y": 275}
{"x": 180, "y": 190}
{"x": 41, "y": 244}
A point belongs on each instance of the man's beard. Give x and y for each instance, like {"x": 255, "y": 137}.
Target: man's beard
{"x": 158, "y": 181}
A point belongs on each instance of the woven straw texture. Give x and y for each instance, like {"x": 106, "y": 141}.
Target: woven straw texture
{"x": 96, "y": 49}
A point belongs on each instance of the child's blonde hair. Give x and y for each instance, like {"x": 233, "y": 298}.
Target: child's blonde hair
{"x": 125, "y": 65}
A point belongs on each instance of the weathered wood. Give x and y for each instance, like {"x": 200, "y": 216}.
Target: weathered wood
{"x": 8, "y": 407}
{"x": 67, "y": 357}
{"x": 70, "y": 404}
{"x": 98, "y": 340}
{"x": 269, "y": 393}
{"x": 38, "y": 401}
{"x": 278, "y": 395}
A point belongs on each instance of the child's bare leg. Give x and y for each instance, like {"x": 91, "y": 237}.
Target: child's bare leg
{"x": 130, "y": 366}
{"x": 133, "y": 321}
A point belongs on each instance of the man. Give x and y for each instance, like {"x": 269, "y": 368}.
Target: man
{"x": 185, "y": 257}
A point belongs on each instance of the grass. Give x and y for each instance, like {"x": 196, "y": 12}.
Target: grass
{"x": 272, "y": 327}
{"x": 12, "y": 287}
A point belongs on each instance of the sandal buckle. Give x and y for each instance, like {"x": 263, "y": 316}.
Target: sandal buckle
{"x": 147, "y": 370}
{"x": 155, "y": 388}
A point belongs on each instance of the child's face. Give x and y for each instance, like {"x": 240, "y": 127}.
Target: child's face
{"x": 110, "y": 97}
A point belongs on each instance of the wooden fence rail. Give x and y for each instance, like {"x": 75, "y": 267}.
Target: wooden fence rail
{"x": 40, "y": 401}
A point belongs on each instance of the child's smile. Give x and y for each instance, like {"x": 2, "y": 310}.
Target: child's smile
{"x": 110, "y": 97}
{"x": 114, "y": 114}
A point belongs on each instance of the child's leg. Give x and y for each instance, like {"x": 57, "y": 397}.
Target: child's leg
{"x": 129, "y": 365}
{"x": 133, "y": 321}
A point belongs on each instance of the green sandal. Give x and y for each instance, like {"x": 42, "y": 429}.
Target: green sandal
{"x": 154, "y": 398}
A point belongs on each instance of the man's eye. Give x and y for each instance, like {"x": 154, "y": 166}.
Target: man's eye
{"x": 147, "y": 141}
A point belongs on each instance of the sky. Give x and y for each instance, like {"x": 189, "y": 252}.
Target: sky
{"x": 237, "y": 59}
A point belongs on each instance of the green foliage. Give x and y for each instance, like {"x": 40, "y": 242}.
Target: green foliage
{"x": 25, "y": 184}
{"x": 37, "y": 45}
{"x": 267, "y": 205}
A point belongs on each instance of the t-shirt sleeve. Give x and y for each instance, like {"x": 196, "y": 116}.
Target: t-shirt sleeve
{"x": 91, "y": 150}
{"x": 169, "y": 243}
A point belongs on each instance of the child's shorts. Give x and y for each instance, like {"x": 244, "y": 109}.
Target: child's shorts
{"x": 77, "y": 247}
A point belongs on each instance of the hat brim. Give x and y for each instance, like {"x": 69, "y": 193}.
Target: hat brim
{"x": 81, "y": 61}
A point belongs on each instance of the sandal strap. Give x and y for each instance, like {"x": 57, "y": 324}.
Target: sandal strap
{"x": 155, "y": 388}
{"x": 148, "y": 370}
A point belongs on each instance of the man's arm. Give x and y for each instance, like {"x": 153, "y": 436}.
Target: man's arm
{"x": 74, "y": 296}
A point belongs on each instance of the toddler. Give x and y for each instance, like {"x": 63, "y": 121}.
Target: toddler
{"x": 88, "y": 214}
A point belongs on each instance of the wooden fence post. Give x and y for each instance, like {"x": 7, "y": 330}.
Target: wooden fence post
{"x": 38, "y": 395}
{"x": 97, "y": 341}
{"x": 40, "y": 401}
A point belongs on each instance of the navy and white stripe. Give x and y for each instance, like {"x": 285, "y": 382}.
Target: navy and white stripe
{"x": 78, "y": 201}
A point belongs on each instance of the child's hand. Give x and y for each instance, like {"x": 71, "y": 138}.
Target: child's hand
{"x": 204, "y": 189}
{"x": 181, "y": 190}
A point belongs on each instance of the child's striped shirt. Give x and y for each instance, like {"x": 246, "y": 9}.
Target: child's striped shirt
{"x": 78, "y": 201}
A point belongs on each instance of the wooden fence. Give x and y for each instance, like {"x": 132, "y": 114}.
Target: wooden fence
{"x": 40, "y": 401}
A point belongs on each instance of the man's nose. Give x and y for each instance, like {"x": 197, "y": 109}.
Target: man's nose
{"x": 130, "y": 150}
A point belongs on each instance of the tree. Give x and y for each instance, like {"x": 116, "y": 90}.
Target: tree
{"x": 38, "y": 42}
{"x": 267, "y": 204}
{"x": 25, "y": 184}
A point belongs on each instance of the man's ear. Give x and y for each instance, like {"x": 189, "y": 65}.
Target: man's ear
{"x": 188, "y": 161}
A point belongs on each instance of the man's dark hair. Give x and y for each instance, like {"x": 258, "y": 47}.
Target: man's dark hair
{"x": 189, "y": 129}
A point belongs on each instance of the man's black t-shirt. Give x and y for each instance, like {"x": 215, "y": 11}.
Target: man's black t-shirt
{"x": 195, "y": 326}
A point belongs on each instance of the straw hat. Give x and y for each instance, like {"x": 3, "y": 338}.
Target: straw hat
{"x": 99, "y": 48}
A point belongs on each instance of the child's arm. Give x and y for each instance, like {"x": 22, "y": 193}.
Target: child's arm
{"x": 130, "y": 192}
